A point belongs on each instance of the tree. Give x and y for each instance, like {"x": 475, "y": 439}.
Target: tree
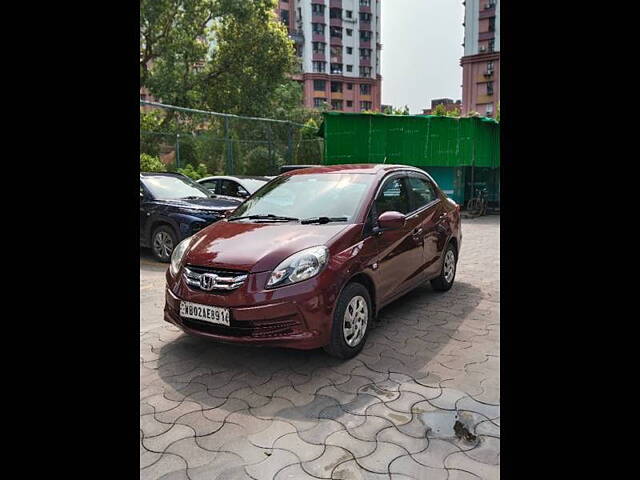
{"x": 442, "y": 111}
{"x": 498, "y": 113}
{"x": 219, "y": 55}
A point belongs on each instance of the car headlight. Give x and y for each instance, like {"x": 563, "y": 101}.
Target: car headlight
{"x": 299, "y": 266}
{"x": 178, "y": 254}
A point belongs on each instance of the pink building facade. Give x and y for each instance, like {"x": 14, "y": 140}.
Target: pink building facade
{"x": 481, "y": 60}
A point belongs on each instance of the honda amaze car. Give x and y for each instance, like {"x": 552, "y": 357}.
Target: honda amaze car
{"x": 233, "y": 188}
{"x": 309, "y": 260}
{"x": 173, "y": 207}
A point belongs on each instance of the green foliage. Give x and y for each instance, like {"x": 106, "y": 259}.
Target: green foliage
{"x": 219, "y": 55}
{"x": 397, "y": 111}
{"x": 443, "y": 112}
{"x": 498, "y": 113}
{"x": 194, "y": 173}
{"x": 260, "y": 161}
{"x": 149, "y": 163}
{"x": 308, "y": 148}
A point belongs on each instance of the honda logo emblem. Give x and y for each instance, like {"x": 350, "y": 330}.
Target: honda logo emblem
{"x": 208, "y": 281}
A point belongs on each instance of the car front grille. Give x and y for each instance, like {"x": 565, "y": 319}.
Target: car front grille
{"x": 254, "y": 329}
{"x": 216, "y": 279}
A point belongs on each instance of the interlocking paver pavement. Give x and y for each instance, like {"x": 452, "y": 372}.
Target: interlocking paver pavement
{"x": 212, "y": 411}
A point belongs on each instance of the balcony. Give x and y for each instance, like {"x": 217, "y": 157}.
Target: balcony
{"x": 364, "y": 9}
{"x": 318, "y": 37}
{"x": 365, "y": 61}
{"x": 486, "y": 36}
{"x": 317, "y": 18}
{"x": 318, "y": 56}
{"x": 335, "y": 22}
{"x": 365, "y": 43}
{"x": 335, "y": 4}
{"x": 365, "y": 25}
{"x": 336, "y": 41}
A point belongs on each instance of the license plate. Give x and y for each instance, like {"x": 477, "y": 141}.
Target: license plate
{"x": 205, "y": 313}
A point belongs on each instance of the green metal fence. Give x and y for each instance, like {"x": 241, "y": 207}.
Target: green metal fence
{"x": 226, "y": 144}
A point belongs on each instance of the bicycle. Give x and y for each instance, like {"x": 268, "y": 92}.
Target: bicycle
{"x": 477, "y": 206}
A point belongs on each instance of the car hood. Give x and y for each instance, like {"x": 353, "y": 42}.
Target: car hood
{"x": 203, "y": 203}
{"x": 256, "y": 247}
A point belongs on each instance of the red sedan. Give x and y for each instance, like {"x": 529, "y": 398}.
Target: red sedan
{"x": 309, "y": 260}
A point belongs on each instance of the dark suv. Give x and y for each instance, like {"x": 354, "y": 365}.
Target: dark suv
{"x": 174, "y": 207}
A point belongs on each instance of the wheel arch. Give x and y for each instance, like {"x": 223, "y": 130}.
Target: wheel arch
{"x": 366, "y": 281}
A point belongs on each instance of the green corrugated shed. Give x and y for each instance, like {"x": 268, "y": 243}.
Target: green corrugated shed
{"x": 418, "y": 140}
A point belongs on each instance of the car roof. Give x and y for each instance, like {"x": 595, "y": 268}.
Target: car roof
{"x": 161, "y": 174}
{"x": 365, "y": 168}
{"x": 237, "y": 177}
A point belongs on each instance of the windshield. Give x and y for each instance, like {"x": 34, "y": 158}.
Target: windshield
{"x": 251, "y": 184}
{"x": 306, "y": 196}
{"x": 174, "y": 188}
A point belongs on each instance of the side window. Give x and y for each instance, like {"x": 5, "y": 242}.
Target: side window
{"x": 242, "y": 191}
{"x": 393, "y": 197}
{"x": 210, "y": 184}
{"x": 421, "y": 192}
{"x": 229, "y": 188}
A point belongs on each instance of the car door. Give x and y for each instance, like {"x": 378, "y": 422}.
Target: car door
{"x": 211, "y": 185}
{"x": 399, "y": 251}
{"x": 425, "y": 206}
{"x": 144, "y": 214}
{"x": 229, "y": 189}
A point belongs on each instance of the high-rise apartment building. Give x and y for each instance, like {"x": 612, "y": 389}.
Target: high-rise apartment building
{"x": 338, "y": 44}
{"x": 481, "y": 60}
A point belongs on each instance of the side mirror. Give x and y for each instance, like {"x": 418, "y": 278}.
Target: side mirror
{"x": 141, "y": 195}
{"x": 391, "y": 221}
{"x": 243, "y": 194}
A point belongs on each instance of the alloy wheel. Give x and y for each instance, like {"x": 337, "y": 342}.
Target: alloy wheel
{"x": 163, "y": 244}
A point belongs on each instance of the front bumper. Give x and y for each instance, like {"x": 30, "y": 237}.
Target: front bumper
{"x": 295, "y": 316}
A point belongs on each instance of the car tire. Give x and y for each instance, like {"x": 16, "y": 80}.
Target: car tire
{"x": 444, "y": 281}
{"x": 163, "y": 241}
{"x": 353, "y": 313}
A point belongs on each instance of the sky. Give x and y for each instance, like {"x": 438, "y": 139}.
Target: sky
{"x": 421, "y": 51}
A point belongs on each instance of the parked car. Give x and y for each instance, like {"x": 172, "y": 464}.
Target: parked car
{"x": 311, "y": 258}
{"x": 239, "y": 187}
{"x": 174, "y": 207}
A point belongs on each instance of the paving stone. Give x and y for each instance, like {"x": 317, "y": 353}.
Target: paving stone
{"x": 360, "y": 404}
{"x": 319, "y": 432}
{"x": 370, "y": 428}
{"x": 272, "y": 464}
{"x": 410, "y": 444}
{"x": 152, "y": 427}
{"x": 346, "y": 419}
{"x": 436, "y": 453}
{"x": 408, "y": 467}
{"x": 381, "y": 410}
{"x": 378, "y": 461}
{"x": 293, "y": 472}
{"x": 448, "y": 399}
{"x": 405, "y": 402}
{"x": 250, "y": 423}
{"x": 268, "y": 436}
{"x": 342, "y": 438}
{"x": 160, "y": 442}
{"x": 194, "y": 455}
{"x": 350, "y": 470}
{"x": 183, "y": 408}
{"x": 487, "y": 451}
{"x": 224, "y": 466}
{"x": 167, "y": 465}
{"x": 322, "y": 466}
{"x": 303, "y": 450}
{"x": 471, "y": 405}
{"x": 462, "y": 461}
{"x": 215, "y": 441}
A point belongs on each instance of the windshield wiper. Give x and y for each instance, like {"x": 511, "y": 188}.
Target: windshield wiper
{"x": 270, "y": 216}
{"x": 192, "y": 197}
{"x": 322, "y": 220}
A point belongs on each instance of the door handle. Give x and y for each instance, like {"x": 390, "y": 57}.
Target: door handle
{"x": 417, "y": 231}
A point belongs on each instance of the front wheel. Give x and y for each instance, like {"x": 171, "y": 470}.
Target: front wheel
{"x": 163, "y": 241}
{"x": 351, "y": 321}
{"x": 444, "y": 281}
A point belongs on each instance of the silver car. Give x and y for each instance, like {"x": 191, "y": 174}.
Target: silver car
{"x": 233, "y": 187}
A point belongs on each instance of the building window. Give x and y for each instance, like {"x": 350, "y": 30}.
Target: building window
{"x": 489, "y": 68}
{"x": 336, "y": 51}
{"x": 319, "y": 67}
{"x": 365, "y": 52}
{"x": 349, "y": 86}
{"x": 492, "y": 24}
{"x": 365, "y": 71}
{"x": 319, "y": 102}
{"x": 317, "y": 28}
{"x": 317, "y": 9}
{"x": 489, "y": 88}
{"x": 365, "y": 3}
{"x": 349, "y": 50}
{"x": 349, "y": 32}
{"x": 319, "y": 47}
{"x": 336, "y": 32}
{"x": 349, "y": 13}
{"x": 365, "y": 106}
{"x": 319, "y": 85}
{"x": 336, "y": 87}
{"x": 365, "y": 89}
{"x": 336, "y": 104}
{"x": 336, "y": 68}
{"x": 349, "y": 68}
{"x": 489, "y": 110}
{"x": 365, "y": 36}
{"x": 492, "y": 45}
{"x": 284, "y": 16}
{"x": 335, "y": 13}
{"x": 365, "y": 17}
{"x": 349, "y": 103}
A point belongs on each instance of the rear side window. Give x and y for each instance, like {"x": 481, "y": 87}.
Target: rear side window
{"x": 393, "y": 197}
{"x": 230, "y": 188}
{"x": 421, "y": 192}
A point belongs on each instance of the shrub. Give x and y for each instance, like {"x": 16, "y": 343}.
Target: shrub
{"x": 194, "y": 173}
{"x": 149, "y": 163}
